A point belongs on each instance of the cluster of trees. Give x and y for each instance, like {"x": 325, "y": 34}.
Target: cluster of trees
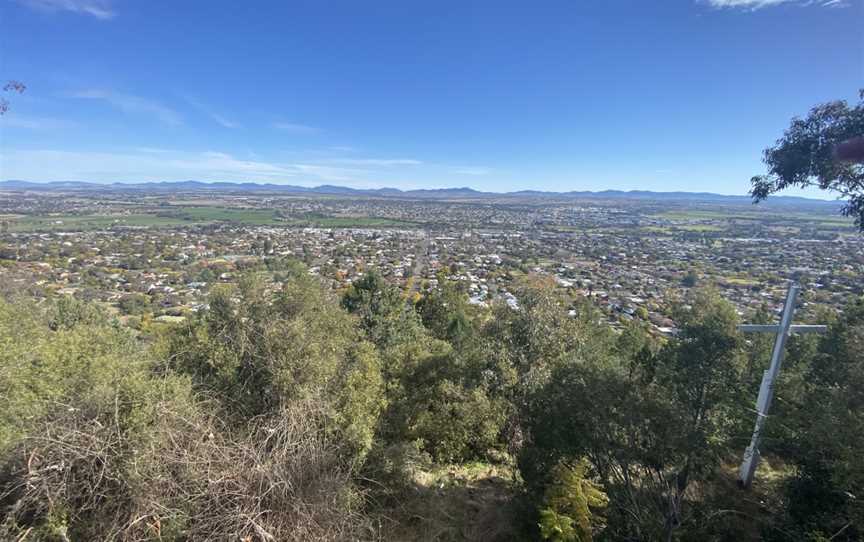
{"x": 284, "y": 412}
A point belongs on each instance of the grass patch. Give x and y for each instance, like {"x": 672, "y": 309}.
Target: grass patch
{"x": 683, "y": 227}
{"x": 699, "y": 227}
{"x": 259, "y": 217}
{"x": 738, "y": 281}
{"x": 457, "y": 502}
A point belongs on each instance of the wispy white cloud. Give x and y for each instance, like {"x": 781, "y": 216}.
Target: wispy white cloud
{"x": 753, "y": 5}
{"x": 130, "y": 104}
{"x": 385, "y": 162}
{"x": 148, "y": 164}
{"x": 101, "y": 9}
{"x": 328, "y": 173}
{"x": 218, "y": 118}
{"x": 35, "y": 123}
{"x": 229, "y": 165}
{"x": 295, "y": 128}
{"x": 343, "y": 148}
{"x": 472, "y": 170}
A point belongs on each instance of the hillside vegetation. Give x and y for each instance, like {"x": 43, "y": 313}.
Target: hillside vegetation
{"x": 284, "y": 412}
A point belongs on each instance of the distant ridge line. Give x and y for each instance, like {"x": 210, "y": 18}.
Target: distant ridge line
{"x": 427, "y": 193}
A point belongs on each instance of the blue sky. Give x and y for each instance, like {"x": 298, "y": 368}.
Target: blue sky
{"x": 496, "y": 95}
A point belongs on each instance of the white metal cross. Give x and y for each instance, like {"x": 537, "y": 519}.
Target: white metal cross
{"x": 766, "y": 390}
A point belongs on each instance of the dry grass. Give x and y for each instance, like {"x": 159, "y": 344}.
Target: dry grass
{"x": 83, "y": 478}
{"x": 456, "y": 503}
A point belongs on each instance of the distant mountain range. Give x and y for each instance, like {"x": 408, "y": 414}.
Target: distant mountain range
{"x": 436, "y": 193}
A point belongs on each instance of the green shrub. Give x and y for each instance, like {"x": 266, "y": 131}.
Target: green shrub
{"x": 570, "y": 505}
{"x": 455, "y": 423}
{"x": 257, "y": 352}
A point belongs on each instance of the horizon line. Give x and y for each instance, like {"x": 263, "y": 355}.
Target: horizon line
{"x": 409, "y": 190}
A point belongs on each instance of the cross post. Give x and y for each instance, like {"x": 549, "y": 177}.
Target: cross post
{"x": 769, "y": 377}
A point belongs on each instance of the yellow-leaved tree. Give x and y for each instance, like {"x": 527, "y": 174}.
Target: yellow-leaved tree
{"x": 570, "y": 505}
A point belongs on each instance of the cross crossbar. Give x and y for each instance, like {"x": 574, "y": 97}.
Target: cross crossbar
{"x": 770, "y": 328}
{"x": 769, "y": 378}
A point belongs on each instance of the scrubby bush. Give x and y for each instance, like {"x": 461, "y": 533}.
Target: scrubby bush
{"x": 81, "y": 405}
{"x": 457, "y": 424}
{"x": 101, "y": 442}
{"x": 257, "y": 351}
{"x": 49, "y": 358}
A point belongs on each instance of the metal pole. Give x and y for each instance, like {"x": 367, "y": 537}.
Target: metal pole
{"x": 766, "y": 390}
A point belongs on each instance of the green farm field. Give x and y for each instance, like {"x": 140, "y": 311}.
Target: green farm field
{"x": 188, "y": 215}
